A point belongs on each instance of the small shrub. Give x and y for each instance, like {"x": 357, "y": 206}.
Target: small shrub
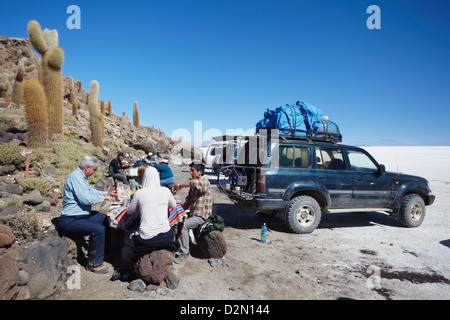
{"x": 24, "y": 223}
{"x": 13, "y": 201}
{"x": 9, "y": 154}
{"x": 68, "y": 157}
{"x": 33, "y": 183}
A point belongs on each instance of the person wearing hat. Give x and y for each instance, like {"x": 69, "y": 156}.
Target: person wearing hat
{"x": 165, "y": 173}
{"x": 116, "y": 165}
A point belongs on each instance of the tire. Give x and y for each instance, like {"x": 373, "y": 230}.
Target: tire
{"x": 412, "y": 211}
{"x": 303, "y": 215}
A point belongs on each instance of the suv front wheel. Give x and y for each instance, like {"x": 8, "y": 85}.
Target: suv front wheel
{"x": 303, "y": 214}
{"x": 412, "y": 211}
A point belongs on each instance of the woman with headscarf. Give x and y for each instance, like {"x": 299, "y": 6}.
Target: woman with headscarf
{"x": 152, "y": 202}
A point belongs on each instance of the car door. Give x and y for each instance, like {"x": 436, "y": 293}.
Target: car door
{"x": 371, "y": 187}
{"x": 293, "y": 169}
{"x": 332, "y": 173}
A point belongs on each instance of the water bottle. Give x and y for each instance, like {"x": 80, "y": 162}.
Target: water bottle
{"x": 264, "y": 233}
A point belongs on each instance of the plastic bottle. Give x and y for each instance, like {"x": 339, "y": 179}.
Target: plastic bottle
{"x": 264, "y": 233}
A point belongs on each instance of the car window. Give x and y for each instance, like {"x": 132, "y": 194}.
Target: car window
{"x": 330, "y": 159}
{"x": 228, "y": 153}
{"x": 255, "y": 151}
{"x": 359, "y": 161}
{"x": 294, "y": 156}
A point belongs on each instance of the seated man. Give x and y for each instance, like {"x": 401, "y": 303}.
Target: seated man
{"x": 76, "y": 216}
{"x": 165, "y": 173}
{"x": 116, "y": 165}
{"x": 199, "y": 201}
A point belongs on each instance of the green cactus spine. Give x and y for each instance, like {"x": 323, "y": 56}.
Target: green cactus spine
{"x": 35, "y": 102}
{"x": 136, "y": 115}
{"x": 50, "y": 72}
{"x": 96, "y": 125}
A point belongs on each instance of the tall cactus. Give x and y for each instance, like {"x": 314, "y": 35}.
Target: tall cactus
{"x": 102, "y": 107}
{"x": 50, "y": 73}
{"x": 71, "y": 90}
{"x": 136, "y": 115}
{"x": 35, "y": 103}
{"x": 75, "y": 109}
{"x": 96, "y": 125}
{"x": 17, "y": 92}
{"x": 4, "y": 85}
{"x": 109, "y": 108}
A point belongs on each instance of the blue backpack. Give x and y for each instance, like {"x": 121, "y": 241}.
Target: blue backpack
{"x": 299, "y": 120}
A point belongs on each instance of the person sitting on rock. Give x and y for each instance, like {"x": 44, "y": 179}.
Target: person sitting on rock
{"x": 136, "y": 183}
{"x": 199, "y": 201}
{"x": 116, "y": 165}
{"x": 152, "y": 202}
{"x": 76, "y": 216}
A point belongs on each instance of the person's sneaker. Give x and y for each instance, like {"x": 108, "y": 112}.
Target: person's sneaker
{"x": 102, "y": 269}
{"x": 182, "y": 258}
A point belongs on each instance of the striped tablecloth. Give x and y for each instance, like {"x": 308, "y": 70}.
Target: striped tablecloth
{"x": 119, "y": 218}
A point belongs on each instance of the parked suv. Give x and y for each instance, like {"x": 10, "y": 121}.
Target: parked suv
{"x": 300, "y": 179}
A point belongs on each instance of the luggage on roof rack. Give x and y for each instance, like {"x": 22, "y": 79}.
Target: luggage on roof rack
{"x": 300, "y": 121}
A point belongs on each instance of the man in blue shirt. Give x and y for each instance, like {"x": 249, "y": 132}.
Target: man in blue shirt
{"x": 76, "y": 216}
{"x": 165, "y": 173}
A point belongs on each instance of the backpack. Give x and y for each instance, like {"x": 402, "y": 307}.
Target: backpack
{"x": 214, "y": 222}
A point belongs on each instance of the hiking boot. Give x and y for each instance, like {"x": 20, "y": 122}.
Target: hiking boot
{"x": 101, "y": 269}
{"x": 182, "y": 258}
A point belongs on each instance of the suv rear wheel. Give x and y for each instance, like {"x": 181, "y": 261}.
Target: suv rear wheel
{"x": 303, "y": 214}
{"x": 412, "y": 211}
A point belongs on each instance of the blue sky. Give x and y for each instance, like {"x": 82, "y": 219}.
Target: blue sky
{"x": 224, "y": 62}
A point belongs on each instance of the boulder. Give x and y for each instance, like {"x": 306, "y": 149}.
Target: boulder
{"x": 137, "y": 285}
{"x": 9, "y": 275}
{"x": 7, "y": 169}
{"x": 44, "y": 260}
{"x": 44, "y": 206}
{"x": 212, "y": 244}
{"x": 152, "y": 268}
{"x": 34, "y": 198}
{"x": 6, "y": 236}
{"x": 172, "y": 279}
{"x": 13, "y": 189}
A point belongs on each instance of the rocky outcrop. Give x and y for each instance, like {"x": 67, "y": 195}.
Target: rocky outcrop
{"x": 45, "y": 261}
{"x": 36, "y": 271}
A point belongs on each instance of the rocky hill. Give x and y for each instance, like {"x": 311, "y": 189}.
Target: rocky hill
{"x": 147, "y": 139}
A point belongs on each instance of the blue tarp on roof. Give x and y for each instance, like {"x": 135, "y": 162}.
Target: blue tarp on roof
{"x": 299, "y": 119}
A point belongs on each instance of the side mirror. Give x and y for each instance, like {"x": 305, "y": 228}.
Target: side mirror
{"x": 381, "y": 169}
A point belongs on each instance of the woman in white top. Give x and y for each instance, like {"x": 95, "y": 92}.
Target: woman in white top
{"x": 152, "y": 202}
